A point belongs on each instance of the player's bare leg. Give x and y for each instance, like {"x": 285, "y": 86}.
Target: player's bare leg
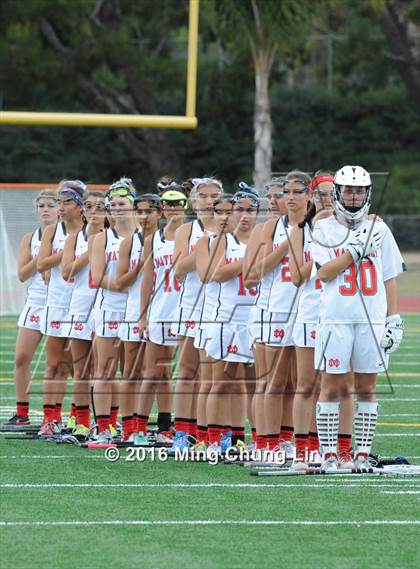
{"x": 219, "y": 407}
{"x": 57, "y": 368}
{"x": 133, "y": 363}
{"x": 27, "y": 342}
{"x": 250, "y": 384}
{"x": 259, "y": 395}
{"x": 81, "y": 352}
{"x": 205, "y": 376}
{"x": 186, "y": 385}
{"x": 105, "y": 388}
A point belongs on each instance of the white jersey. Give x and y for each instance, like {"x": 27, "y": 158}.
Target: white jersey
{"x": 166, "y": 288}
{"x": 192, "y": 288}
{"x": 37, "y": 289}
{"x": 357, "y": 295}
{"x": 283, "y": 293}
{"x": 310, "y": 291}
{"x": 84, "y": 291}
{"x": 234, "y": 301}
{"x": 211, "y": 291}
{"x": 111, "y": 300}
{"x": 132, "y": 313}
{"x": 59, "y": 290}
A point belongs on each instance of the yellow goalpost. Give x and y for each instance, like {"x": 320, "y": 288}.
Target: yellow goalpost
{"x": 189, "y": 121}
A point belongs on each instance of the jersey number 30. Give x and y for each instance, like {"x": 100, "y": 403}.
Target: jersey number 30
{"x": 368, "y": 280}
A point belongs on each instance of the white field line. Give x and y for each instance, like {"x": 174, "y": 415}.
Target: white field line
{"x": 397, "y": 399}
{"x": 397, "y": 434}
{"x": 401, "y": 492}
{"x": 211, "y": 485}
{"x": 398, "y": 415}
{"x": 357, "y": 523}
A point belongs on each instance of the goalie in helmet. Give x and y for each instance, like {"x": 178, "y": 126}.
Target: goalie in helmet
{"x": 357, "y": 260}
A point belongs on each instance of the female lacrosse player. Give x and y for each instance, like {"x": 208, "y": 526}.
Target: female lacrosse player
{"x": 358, "y": 261}
{"x": 259, "y": 312}
{"x": 160, "y": 292}
{"x": 29, "y": 334}
{"x": 282, "y": 305}
{"x": 130, "y": 274}
{"x": 112, "y": 304}
{"x": 80, "y": 328}
{"x": 58, "y": 363}
{"x": 228, "y": 345}
{"x": 204, "y": 193}
{"x": 223, "y": 225}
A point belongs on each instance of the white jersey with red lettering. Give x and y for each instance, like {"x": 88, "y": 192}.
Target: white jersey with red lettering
{"x": 111, "y": 300}
{"x": 234, "y": 301}
{"x": 132, "y": 313}
{"x": 310, "y": 291}
{"x": 37, "y": 289}
{"x": 357, "y": 295}
{"x": 166, "y": 291}
{"x": 84, "y": 292}
{"x": 59, "y": 290}
{"x": 211, "y": 291}
{"x": 283, "y": 294}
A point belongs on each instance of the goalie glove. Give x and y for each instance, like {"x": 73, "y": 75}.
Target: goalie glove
{"x": 365, "y": 242}
{"x": 391, "y": 339}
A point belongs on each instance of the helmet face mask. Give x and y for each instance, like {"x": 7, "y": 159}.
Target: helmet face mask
{"x": 354, "y": 177}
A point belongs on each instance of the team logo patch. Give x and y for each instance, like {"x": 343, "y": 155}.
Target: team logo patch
{"x": 78, "y": 327}
{"x": 232, "y": 349}
{"x": 190, "y": 324}
{"x": 55, "y": 324}
{"x": 113, "y": 325}
{"x": 34, "y": 318}
{"x": 279, "y": 333}
{"x": 136, "y": 329}
{"x": 313, "y": 334}
{"x": 333, "y": 362}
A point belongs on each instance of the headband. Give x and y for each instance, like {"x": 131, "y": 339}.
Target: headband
{"x": 71, "y": 194}
{"x": 314, "y": 183}
{"x": 197, "y": 182}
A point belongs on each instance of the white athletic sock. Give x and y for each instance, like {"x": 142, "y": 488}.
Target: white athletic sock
{"x": 365, "y": 417}
{"x": 327, "y": 419}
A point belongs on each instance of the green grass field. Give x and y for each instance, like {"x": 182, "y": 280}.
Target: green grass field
{"x": 64, "y": 507}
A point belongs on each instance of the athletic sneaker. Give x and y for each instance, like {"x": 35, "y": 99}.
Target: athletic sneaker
{"x": 49, "y": 428}
{"x": 81, "y": 431}
{"x": 361, "y": 463}
{"x": 315, "y": 458}
{"x": 345, "y": 461}
{"x": 180, "y": 442}
{"x": 300, "y": 463}
{"x": 71, "y": 423}
{"x": 17, "y": 420}
{"x": 226, "y": 441}
{"x": 330, "y": 464}
{"x": 140, "y": 440}
{"x": 164, "y": 438}
{"x": 289, "y": 449}
{"x": 102, "y": 438}
{"x": 199, "y": 447}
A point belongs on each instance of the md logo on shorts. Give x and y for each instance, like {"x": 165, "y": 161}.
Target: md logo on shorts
{"x": 313, "y": 334}
{"x": 113, "y": 325}
{"x": 55, "y": 325}
{"x": 333, "y": 362}
{"x": 78, "y": 327}
{"x": 34, "y": 319}
{"x": 279, "y": 333}
{"x": 232, "y": 349}
{"x": 136, "y": 329}
{"x": 190, "y": 324}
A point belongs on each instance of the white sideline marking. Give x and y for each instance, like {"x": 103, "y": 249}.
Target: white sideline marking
{"x": 210, "y": 485}
{"x": 398, "y": 415}
{"x": 401, "y": 492}
{"x": 215, "y": 523}
{"x": 397, "y": 434}
{"x": 398, "y": 399}
{"x": 42, "y": 456}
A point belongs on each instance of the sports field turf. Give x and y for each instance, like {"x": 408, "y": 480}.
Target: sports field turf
{"x": 64, "y": 507}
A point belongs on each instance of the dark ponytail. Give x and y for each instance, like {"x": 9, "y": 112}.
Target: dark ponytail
{"x": 310, "y": 214}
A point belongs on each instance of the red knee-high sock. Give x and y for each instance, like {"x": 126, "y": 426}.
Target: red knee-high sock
{"x": 286, "y": 434}
{"x": 22, "y": 409}
{"x": 127, "y": 425}
{"x": 272, "y": 441}
{"x": 201, "y": 434}
{"x": 261, "y": 441}
{"x": 103, "y": 422}
{"x": 57, "y": 414}
{"x": 313, "y": 442}
{"x": 83, "y": 415}
{"x": 344, "y": 443}
{"x": 49, "y": 413}
{"x": 215, "y": 434}
{"x": 142, "y": 421}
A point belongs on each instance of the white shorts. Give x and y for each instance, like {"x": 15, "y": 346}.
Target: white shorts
{"x": 130, "y": 332}
{"x": 304, "y": 335}
{"x": 280, "y": 329}
{"x": 186, "y": 321}
{"x": 340, "y": 348}
{"x": 204, "y": 334}
{"x": 229, "y": 342}
{"x": 80, "y": 327}
{"x": 258, "y": 325}
{"x": 31, "y": 317}
{"x": 162, "y": 333}
{"x": 107, "y": 323}
{"x": 53, "y": 321}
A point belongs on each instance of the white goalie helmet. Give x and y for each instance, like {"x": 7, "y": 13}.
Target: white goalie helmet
{"x": 352, "y": 176}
